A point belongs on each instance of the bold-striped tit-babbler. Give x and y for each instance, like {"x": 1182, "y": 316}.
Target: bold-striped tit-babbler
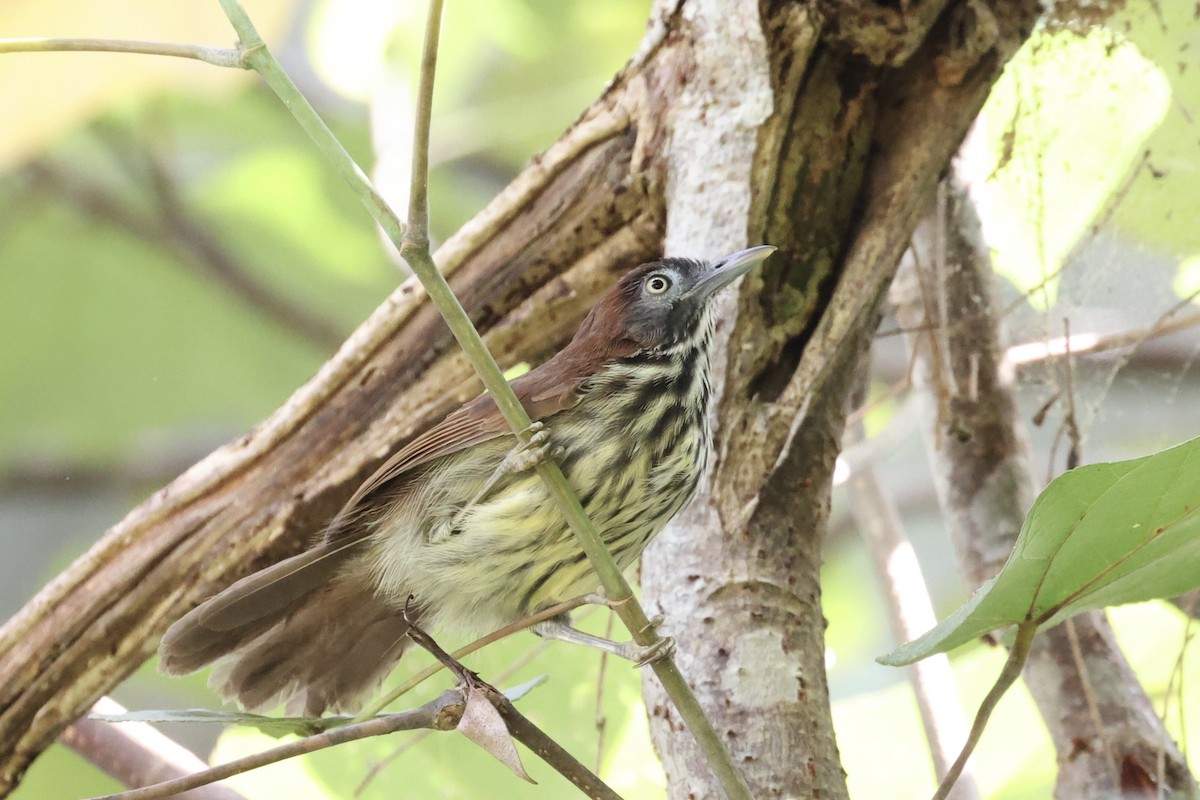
{"x": 459, "y": 522}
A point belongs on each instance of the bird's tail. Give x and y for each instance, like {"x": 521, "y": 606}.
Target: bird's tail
{"x": 304, "y": 631}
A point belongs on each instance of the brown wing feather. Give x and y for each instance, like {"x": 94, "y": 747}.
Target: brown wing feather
{"x": 543, "y": 392}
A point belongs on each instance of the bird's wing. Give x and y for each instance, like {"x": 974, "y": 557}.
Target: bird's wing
{"x": 542, "y": 392}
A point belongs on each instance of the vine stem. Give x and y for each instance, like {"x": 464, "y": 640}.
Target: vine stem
{"x": 414, "y": 247}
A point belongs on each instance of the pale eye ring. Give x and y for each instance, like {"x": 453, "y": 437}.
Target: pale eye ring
{"x": 658, "y": 284}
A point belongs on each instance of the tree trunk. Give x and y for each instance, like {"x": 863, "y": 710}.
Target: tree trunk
{"x": 865, "y": 117}
{"x": 817, "y": 127}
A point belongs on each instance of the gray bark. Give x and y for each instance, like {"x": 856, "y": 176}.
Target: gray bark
{"x": 862, "y": 122}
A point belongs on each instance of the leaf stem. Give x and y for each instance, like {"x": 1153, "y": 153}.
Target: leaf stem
{"x": 1017, "y": 655}
{"x": 415, "y": 250}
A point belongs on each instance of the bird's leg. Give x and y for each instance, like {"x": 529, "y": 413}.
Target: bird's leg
{"x": 560, "y": 628}
{"x": 522, "y": 458}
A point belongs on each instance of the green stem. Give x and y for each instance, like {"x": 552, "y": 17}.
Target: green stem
{"x": 1018, "y": 654}
{"x": 217, "y": 56}
{"x": 415, "y": 250}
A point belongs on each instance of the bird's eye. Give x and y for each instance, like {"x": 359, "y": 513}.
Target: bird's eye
{"x": 657, "y": 284}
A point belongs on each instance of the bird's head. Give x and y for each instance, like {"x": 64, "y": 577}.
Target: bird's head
{"x": 661, "y": 305}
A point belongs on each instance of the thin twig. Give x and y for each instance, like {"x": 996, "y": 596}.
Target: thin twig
{"x": 1102, "y": 219}
{"x": 601, "y": 720}
{"x": 217, "y": 56}
{"x": 1071, "y": 423}
{"x": 508, "y": 630}
{"x": 179, "y": 234}
{"x": 442, "y": 713}
{"x": 1089, "y": 698}
{"x": 500, "y": 677}
{"x": 1128, "y": 355}
{"x": 519, "y": 727}
{"x": 552, "y": 752}
{"x": 416, "y": 253}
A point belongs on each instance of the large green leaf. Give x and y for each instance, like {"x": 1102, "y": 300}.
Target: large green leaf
{"x": 1100, "y": 535}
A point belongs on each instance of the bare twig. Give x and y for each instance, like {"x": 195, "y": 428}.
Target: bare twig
{"x": 551, "y": 751}
{"x": 501, "y": 677}
{"x": 495, "y": 636}
{"x": 1099, "y": 223}
{"x": 1089, "y": 696}
{"x": 217, "y": 56}
{"x": 519, "y": 726}
{"x": 1085, "y": 343}
{"x": 177, "y": 232}
{"x": 1071, "y": 423}
{"x": 601, "y": 720}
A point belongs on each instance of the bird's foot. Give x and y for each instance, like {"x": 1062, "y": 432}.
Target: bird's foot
{"x": 522, "y": 458}
{"x": 527, "y": 455}
{"x": 641, "y": 655}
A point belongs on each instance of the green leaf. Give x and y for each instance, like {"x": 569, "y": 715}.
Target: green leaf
{"x": 521, "y": 689}
{"x": 272, "y": 726}
{"x": 1100, "y": 535}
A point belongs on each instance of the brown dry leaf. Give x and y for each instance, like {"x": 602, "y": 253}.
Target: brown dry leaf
{"x": 483, "y": 725}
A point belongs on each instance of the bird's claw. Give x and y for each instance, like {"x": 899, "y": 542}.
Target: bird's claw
{"x": 643, "y": 655}
{"x": 528, "y": 455}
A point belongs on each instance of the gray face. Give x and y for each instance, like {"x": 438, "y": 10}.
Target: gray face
{"x": 662, "y": 310}
{"x": 667, "y": 299}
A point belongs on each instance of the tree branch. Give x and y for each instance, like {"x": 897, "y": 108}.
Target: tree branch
{"x": 519, "y": 727}
{"x": 217, "y": 56}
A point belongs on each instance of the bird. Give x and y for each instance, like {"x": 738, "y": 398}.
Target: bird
{"x": 458, "y": 531}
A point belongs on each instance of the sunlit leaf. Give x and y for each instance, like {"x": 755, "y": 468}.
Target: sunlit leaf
{"x": 1100, "y": 535}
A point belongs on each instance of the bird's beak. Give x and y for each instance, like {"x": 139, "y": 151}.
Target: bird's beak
{"x": 726, "y": 270}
